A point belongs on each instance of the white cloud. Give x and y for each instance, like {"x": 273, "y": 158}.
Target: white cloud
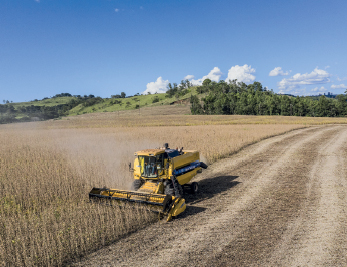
{"x": 189, "y": 77}
{"x": 214, "y": 75}
{"x": 317, "y": 89}
{"x": 278, "y": 72}
{"x": 241, "y": 73}
{"x": 339, "y": 86}
{"x": 37, "y": 1}
{"x": 317, "y": 76}
{"x": 116, "y": 10}
{"x": 341, "y": 79}
{"x": 159, "y": 86}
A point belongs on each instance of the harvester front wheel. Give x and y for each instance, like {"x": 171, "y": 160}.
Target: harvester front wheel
{"x": 170, "y": 190}
{"x": 136, "y": 185}
{"x": 194, "y": 187}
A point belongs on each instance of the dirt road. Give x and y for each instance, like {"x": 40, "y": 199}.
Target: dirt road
{"x": 280, "y": 202}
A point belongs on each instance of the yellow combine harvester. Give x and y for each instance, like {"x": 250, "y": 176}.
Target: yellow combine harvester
{"x": 160, "y": 176}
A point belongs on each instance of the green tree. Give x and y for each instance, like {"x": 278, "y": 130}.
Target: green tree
{"x": 341, "y": 105}
{"x": 323, "y": 107}
{"x": 171, "y": 90}
{"x": 195, "y": 105}
{"x": 188, "y": 83}
{"x": 206, "y": 82}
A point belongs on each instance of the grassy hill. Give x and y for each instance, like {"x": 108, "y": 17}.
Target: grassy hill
{"x": 128, "y": 103}
{"x": 61, "y": 106}
{"x": 49, "y": 102}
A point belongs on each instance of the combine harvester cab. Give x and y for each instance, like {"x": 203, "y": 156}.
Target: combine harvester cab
{"x": 160, "y": 176}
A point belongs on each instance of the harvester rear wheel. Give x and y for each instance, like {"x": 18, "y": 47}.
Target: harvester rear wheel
{"x": 194, "y": 187}
{"x": 136, "y": 185}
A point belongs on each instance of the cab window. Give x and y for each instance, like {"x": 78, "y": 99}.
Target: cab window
{"x": 151, "y": 166}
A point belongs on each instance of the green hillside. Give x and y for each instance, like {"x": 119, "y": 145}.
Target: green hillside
{"x": 49, "y": 102}
{"x": 62, "y": 105}
{"x": 134, "y": 102}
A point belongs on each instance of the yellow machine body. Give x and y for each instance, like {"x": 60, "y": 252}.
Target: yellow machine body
{"x": 184, "y": 159}
{"x": 159, "y": 177}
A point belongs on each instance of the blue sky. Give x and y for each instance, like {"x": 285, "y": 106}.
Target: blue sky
{"x": 104, "y": 47}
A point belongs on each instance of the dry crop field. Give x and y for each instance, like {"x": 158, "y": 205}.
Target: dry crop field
{"x": 172, "y": 116}
{"x": 48, "y": 168}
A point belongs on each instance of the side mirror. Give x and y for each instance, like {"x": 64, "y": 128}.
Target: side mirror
{"x": 130, "y": 169}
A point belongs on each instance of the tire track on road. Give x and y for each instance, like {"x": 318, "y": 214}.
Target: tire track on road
{"x": 316, "y": 239}
{"x": 278, "y": 205}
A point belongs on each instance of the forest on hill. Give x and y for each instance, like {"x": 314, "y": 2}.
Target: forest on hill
{"x": 253, "y": 99}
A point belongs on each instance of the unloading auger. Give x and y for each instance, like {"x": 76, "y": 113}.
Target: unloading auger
{"x": 160, "y": 176}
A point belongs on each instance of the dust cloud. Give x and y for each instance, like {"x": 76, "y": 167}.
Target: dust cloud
{"x": 101, "y": 158}
{"x": 204, "y": 159}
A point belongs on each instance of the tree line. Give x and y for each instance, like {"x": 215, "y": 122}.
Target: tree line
{"x": 253, "y": 99}
{"x": 178, "y": 90}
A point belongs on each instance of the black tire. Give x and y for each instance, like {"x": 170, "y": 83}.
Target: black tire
{"x": 180, "y": 189}
{"x": 203, "y": 165}
{"x": 136, "y": 185}
{"x": 194, "y": 187}
{"x": 170, "y": 190}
